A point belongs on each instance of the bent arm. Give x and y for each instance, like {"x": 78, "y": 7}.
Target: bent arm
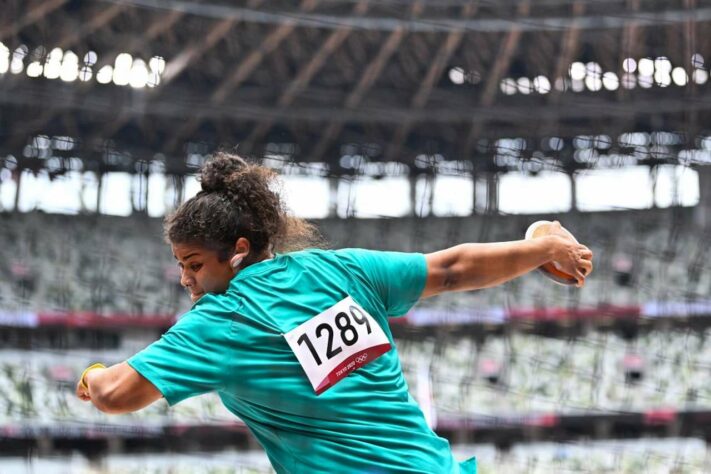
{"x": 118, "y": 389}
{"x": 475, "y": 266}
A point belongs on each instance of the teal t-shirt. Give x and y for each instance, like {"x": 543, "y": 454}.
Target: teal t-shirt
{"x": 233, "y": 343}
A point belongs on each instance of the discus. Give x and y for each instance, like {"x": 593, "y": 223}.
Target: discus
{"x": 551, "y": 270}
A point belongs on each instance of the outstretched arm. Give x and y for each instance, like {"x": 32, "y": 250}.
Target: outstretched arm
{"x": 475, "y": 266}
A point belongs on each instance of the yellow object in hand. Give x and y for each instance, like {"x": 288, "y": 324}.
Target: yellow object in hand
{"x": 86, "y": 371}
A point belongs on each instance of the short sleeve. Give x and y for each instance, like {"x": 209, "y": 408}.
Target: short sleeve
{"x": 398, "y": 277}
{"x": 188, "y": 359}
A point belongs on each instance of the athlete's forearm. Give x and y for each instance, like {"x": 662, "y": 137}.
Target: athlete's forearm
{"x": 118, "y": 389}
{"x": 475, "y": 266}
{"x": 102, "y": 390}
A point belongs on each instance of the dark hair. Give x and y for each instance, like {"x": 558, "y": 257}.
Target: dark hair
{"x": 238, "y": 199}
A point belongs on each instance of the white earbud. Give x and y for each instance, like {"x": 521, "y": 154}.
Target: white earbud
{"x": 235, "y": 261}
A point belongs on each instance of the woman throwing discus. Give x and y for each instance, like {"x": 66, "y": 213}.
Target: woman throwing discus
{"x": 297, "y": 342}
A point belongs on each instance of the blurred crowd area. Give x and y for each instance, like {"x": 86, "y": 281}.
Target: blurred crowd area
{"x": 649, "y": 456}
{"x": 508, "y": 375}
{"x": 112, "y": 265}
{"x": 38, "y": 388}
{"x": 599, "y": 372}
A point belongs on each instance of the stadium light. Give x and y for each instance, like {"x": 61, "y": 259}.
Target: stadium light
{"x": 508, "y": 86}
{"x": 542, "y": 85}
{"x": 157, "y": 64}
{"x": 53, "y": 66}
{"x": 16, "y": 64}
{"x": 593, "y": 83}
{"x": 590, "y": 76}
{"x": 646, "y": 67}
{"x": 121, "y": 76}
{"x": 610, "y": 81}
{"x": 139, "y": 74}
{"x": 700, "y": 76}
{"x": 85, "y": 73}
{"x": 34, "y": 69}
{"x": 629, "y": 65}
{"x": 122, "y": 69}
{"x": 662, "y": 78}
{"x": 662, "y": 64}
{"x": 646, "y": 81}
{"x": 602, "y": 142}
{"x": 456, "y": 75}
{"x": 70, "y": 67}
{"x": 629, "y": 81}
{"x": 524, "y": 85}
{"x": 66, "y": 66}
{"x": 4, "y": 58}
{"x": 556, "y": 143}
{"x": 123, "y": 61}
{"x": 153, "y": 79}
{"x": 680, "y": 77}
{"x": 105, "y": 74}
{"x": 697, "y": 61}
{"x": 90, "y": 58}
{"x": 577, "y": 71}
{"x": 593, "y": 69}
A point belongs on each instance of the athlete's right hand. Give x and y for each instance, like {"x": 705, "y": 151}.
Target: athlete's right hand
{"x": 82, "y": 392}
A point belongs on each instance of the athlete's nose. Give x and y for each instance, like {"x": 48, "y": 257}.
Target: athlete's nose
{"x": 186, "y": 280}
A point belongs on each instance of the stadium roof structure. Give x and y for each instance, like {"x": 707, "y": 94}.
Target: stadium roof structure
{"x": 497, "y": 85}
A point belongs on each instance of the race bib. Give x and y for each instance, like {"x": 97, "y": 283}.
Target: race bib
{"x": 338, "y": 341}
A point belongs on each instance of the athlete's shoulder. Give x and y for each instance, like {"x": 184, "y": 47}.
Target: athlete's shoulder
{"x": 209, "y": 319}
{"x": 307, "y": 253}
{"x": 330, "y": 253}
{"x": 213, "y": 306}
{"x": 344, "y": 256}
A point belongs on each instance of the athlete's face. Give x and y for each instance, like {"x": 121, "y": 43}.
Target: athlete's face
{"x": 201, "y": 271}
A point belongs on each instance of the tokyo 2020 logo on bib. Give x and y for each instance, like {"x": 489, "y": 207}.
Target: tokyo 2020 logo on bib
{"x": 338, "y": 341}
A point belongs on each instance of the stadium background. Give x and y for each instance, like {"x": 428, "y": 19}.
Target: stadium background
{"x": 107, "y": 109}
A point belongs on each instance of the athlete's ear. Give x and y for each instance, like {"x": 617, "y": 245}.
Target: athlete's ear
{"x": 235, "y": 262}
{"x": 242, "y": 247}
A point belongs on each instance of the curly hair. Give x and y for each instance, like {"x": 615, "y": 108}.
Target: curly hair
{"x": 238, "y": 200}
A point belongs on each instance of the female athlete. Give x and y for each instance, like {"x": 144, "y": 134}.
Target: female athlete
{"x": 297, "y": 343}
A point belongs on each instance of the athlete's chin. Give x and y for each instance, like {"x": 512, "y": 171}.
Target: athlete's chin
{"x": 196, "y": 296}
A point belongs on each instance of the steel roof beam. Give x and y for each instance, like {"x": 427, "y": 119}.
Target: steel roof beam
{"x": 419, "y": 100}
{"x": 38, "y": 11}
{"x": 305, "y": 75}
{"x": 501, "y": 66}
{"x": 241, "y": 72}
{"x": 366, "y": 81}
{"x": 182, "y": 104}
{"x": 612, "y": 20}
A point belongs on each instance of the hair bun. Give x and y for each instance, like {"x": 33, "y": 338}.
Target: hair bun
{"x": 216, "y": 172}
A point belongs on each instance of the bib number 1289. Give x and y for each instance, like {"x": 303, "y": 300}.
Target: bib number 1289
{"x": 336, "y": 342}
{"x": 344, "y": 328}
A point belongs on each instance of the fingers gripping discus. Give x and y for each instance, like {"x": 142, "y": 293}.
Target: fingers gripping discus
{"x": 551, "y": 270}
